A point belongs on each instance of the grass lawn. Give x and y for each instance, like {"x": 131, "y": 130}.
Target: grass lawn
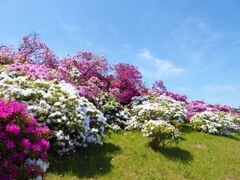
{"x": 126, "y": 155}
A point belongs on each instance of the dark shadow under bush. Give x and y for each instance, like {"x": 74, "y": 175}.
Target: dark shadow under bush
{"x": 176, "y": 154}
{"x": 87, "y": 163}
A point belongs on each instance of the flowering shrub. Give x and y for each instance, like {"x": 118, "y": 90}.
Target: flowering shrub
{"x": 176, "y": 96}
{"x": 21, "y": 140}
{"x": 139, "y": 100}
{"x": 86, "y": 72}
{"x": 200, "y": 106}
{"x": 73, "y": 120}
{"x": 160, "y": 132}
{"x": 35, "y": 71}
{"x": 215, "y": 122}
{"x": 6, "y": 55}
{"x": 160, "y": 89}
{"x": 126, "y": 83}
{"x": 117, "y": 115}
{"x": 159, "y": 107}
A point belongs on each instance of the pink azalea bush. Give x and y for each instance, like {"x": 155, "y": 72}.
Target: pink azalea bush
{"x": 23, "y": 143}
{"x": 200, "y": 106}
{"x": 160, "y": 89}
{"x": 91, "y": 75}
{"x": 126, "y": 82}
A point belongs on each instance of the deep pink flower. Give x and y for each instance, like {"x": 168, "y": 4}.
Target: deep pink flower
{"x": 44, "y": 144}
{"x": 9, "y": 144}
{"x": 14, "y": 129}
{"x": 26, "y": 143}
{"x": 36, "y": 147}
{"x": 17, "y": 145}
{"x": 43, "y": 156}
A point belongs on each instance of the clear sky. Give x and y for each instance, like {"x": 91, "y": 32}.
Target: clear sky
{"x": 193, "y": 46}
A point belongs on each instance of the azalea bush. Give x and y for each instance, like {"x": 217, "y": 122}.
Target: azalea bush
{"x": 117, "y": 115}
{"x": 126, "y": 82}
{"x": 23, "y": 143}
{"x": 160, "y": 132}
{"x": 200, "y": 106}
{"x": 73, "y": 120}
{"x": 158, "y": 107}
{"x": 159, "y": 88}
{"x": 90, "y": 74}
{"x": 215, "y": 122}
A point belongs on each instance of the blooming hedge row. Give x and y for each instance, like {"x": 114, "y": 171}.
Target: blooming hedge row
{"x": 23, "y": 143}
{"x": 73, "y": 120}
{"x": 215, "y": 122}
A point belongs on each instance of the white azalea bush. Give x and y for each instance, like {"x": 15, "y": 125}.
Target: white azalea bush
{"x": 153, "y": 108}
{"x": 160, "y": 132}
{"x": 221, "y": 123}
{"x": 117, "y": 115}
{"x": 73, "y": 120}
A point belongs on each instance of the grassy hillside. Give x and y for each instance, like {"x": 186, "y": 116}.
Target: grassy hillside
{"x": 126, "y": 155}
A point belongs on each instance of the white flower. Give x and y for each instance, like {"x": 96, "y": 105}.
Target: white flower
{"x": 161, "y": 107}
{"x": 216, "y": 122}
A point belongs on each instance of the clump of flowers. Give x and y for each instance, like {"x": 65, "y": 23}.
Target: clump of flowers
{"x": 126, "y": 82}
{"x": 160, "y": 89}
{"x": 21, "y": 140}
{"x": 117, "y": 115}
{"x": 160, "y": 133}
{"x": 73, "y": 120}
{"x": 35, "y": 71}
{"x": 221, "y": 123}
{"x": 158, "y": 107}
{"x": 200, "y": 106}
{"x": 87, "y": 72}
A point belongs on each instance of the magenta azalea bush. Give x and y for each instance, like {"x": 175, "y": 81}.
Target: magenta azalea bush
{"x": 23, "y": 143}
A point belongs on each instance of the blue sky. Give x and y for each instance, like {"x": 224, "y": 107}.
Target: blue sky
{"x": 193, "y": 46}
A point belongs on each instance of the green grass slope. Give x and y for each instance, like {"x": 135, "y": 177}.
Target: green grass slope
{"x": 127, "y": 156}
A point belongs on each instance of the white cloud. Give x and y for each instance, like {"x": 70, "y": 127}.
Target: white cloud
{"x": 162, "y": 68}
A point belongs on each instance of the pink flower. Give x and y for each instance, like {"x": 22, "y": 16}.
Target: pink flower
{"x": 30, "y": 169}
{"x": 14, "y": 129}
{"x": 26, "y": 143}
{"x": 44, "y": 144}
{"x": 20, "y": 146}
{"x": 36, "y": 147}
{"x": 44, "y": 156}
{"x": 9, "y": 144}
